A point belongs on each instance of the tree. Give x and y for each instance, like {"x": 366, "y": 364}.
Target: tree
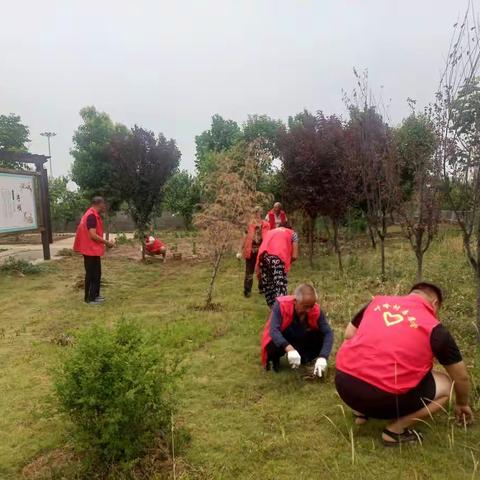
{"x": 230, "y": 199}
{"x": 142, "y": 165}
{"x": 92, "y": 169}
{"x": 14, "y": 137}
{"x": 314, "y": 169}
{"x": 182, "y": 196}
{"x": 419, "y": 209}
{"x": 65, "y": 205}
{"x": 221, "y": 136}
{"x": 457, "y": 118}
{"x": 372, "y": 159}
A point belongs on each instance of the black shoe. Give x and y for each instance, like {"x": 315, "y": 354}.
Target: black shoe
{"x": 247, "y": 294}
{"x": 94, "y": 302}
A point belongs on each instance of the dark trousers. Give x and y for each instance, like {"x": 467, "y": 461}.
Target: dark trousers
{"x": 249, "y": 273}
{"x": 308, "y": 346}
{"x": 273, "y": 277}
{"x": 93, "y": 275}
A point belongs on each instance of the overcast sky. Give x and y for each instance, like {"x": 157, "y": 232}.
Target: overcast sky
{"x": 170, "y": 65}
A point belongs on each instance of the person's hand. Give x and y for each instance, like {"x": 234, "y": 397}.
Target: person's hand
{"x": 294, "y": 358}
{"x": 110, "y": 244}
{"x": 239, "y": 256}
{"x": 463, "y": 415}
{"x": 320, "y": 367}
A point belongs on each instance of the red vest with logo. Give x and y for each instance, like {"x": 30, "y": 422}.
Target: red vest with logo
{"x": 83, "y": 243}
{"x": 278, "y": 242}
{"x": 287, "y": 309}
{"x": 271, "y": 218}
{"x": 247, "y": 246}
{"x": 391, "y": 348}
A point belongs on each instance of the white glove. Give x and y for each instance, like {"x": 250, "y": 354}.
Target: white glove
{"x": 320, "y": 367}
{"x": 294, "y": 358}
{"x": 239, "y": 256}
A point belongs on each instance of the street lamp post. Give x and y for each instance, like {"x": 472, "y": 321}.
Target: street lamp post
{"x": 49, "y": 135}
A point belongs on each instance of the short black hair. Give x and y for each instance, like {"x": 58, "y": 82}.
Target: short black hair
{"x": 429, "y": 287}
{"x": 286, "y": 225}
{"x": 97, "y": 200}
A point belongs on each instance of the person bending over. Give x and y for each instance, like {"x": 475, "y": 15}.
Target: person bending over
{"x": 278, "y": 250}
{"x": 384, "y": 366}
{"x": 298, "y": 329}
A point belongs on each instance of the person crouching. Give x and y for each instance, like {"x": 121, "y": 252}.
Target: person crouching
{"x": 298, "y": 329}
{"x": 153, "y": 246}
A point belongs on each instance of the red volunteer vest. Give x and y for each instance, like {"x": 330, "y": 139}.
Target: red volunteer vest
{"x": 287, "y": 308}
{"x": 83, "y": 243}
{"x": 271, "y": 218}
{"x": 247, "y": 246}
{"x": 155, "y": 246}
{"x": 391, "y": 349}
{"x": 278, "y": 242}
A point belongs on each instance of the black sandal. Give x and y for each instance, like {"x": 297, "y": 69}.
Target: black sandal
{"x": 407, "y": 436}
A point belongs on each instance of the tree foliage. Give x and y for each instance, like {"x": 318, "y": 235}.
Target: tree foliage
{"x": 143, "y": 164}
{"x": 65, "y": 205}
{"x": 419, "y": 206}
{"x": 230, "y": 199}
{"x": 14, "y": 136}
{"x": 182, "y": 196}
{"x": 92, "y": 169}
{"x": 315, "y": 170}
{"x": 220, "y": 137}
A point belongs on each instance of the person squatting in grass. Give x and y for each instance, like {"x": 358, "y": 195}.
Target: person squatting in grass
{"x": 256, "y": 229}
{"x": 90, "y": 243}
{"x": 384, "y": 366}
{"x": 154, "y": 246}
{"x": 298, "y": 328}
{"x": 278, "y": 250}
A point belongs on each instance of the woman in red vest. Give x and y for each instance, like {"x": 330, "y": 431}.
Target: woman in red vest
{"x": 384, "y": 367}
{"x": 90, "y": 243}
{"x": 298, "y": 328}
{"x": 154, "y": 246}
{"x": 276, "y": 216}
{"x": 256, "y": 229}
{"x": 278, "y": 250}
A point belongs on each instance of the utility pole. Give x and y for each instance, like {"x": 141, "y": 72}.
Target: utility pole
{"x": 49, "y": 135}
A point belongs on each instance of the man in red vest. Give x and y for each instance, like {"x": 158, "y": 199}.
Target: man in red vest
{"x": 278, "y": 250}
{"x": 276, "y": 216}
{"x": 90, "y": 243}
{"x": 384, "y": 367}
{"x": 256, "y": 230}
{"x": 298, "y": 328}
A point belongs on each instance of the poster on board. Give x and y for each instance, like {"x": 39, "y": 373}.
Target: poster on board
{"x": 18, "y": 209}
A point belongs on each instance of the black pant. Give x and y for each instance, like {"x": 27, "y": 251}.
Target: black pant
{"x": 309, "y": 347}
{"x": 376, "y": 403}
{"x": 93, "y": 275}
{"x": 249, "y": 273}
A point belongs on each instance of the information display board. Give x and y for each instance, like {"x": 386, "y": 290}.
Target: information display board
{"x": 18, "y": 202}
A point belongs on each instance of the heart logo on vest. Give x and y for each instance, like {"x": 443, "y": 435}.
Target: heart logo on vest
{"x": 392, "y": 318}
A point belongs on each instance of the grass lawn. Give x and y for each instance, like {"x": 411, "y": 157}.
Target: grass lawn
{"x": 244, "y": 423}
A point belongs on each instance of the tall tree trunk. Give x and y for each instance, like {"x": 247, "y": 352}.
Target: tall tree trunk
{"x": 216, "y": 265}
{"x": 382, "y": 257}
{"x": 478, "y": 306}
{"x": 311, "y": 227}
{"x": 419, "y": 255}
{"x": 107, "y": 225}
{"x": 372, "y": 236}
{"x": 336, "y": 244}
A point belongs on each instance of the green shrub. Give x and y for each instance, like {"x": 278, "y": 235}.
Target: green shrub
{"x": 117, "y": 390}
{"x": 121, "y": 239}
{"x": 66, "y": 252}
{"x": 18, "y": 265}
